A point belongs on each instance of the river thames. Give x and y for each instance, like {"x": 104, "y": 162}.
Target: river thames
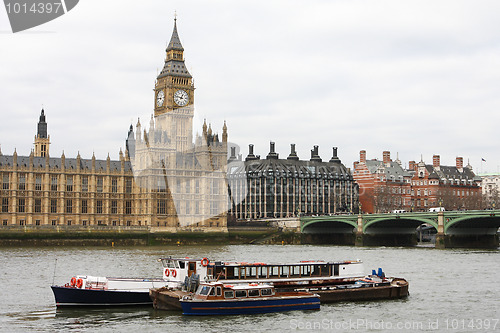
{"x": 452, "y": 290}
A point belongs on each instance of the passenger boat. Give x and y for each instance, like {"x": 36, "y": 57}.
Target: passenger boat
{"x": 372, "y": 287}
{"x": 217, "y": 298}
{"x": 285, "y": 276}
{"x": 313, "y": 272}
{"x": 188, "y": 272}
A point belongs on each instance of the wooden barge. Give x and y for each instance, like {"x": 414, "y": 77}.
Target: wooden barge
{"x": 365, "y": 289}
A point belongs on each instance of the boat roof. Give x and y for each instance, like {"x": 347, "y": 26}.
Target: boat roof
{"x": 308, "y": 262}
{"x": 242, "y": 263}
{"x": 238, "y": 285}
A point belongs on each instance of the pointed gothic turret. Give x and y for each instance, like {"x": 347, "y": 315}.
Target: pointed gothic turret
{"x": 175, "y": 41}
{"x": 42, "y": 140}
{"x": 224, "y": 133}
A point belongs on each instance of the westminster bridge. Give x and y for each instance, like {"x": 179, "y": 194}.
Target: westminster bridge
{"x": 477, "y": 228}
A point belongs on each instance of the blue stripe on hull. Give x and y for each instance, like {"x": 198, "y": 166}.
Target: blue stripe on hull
{"x": 65, "y": 296}
{"x": 248, "y": 306}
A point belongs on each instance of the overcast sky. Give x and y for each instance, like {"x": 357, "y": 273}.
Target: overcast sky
{"x": 413, "y": 77}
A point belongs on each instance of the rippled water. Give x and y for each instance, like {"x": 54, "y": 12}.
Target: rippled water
{"x": 450, "y": 290}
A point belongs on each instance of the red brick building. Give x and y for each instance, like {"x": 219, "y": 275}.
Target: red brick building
{"x": 385, "y": 185}
{"x": 452, "y": 187}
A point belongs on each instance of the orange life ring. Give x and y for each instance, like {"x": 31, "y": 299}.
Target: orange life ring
{"x": 204, "y": 262}
{"x": 73, "y": 281}
{"x": 79, "y": 283}
{"x": 174, "y": 273}
{"x": 167, "y": 272}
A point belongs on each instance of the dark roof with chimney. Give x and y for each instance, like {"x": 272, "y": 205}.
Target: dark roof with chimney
{"x": 254, "y": 167}
{"x": 393, "y": 172}
{"x": 451, "y": 173}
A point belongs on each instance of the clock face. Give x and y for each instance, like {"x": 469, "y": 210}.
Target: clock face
{"x": 181, "y": 97}
{"x": 160, "y": 98}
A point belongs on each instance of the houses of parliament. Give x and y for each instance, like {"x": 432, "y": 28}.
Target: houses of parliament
{"x": 163, "y": 180}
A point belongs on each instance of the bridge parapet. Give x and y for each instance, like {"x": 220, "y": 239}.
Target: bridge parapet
{"x": 447, "y": 223}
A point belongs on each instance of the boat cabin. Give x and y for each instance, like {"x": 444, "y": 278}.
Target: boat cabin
{"x": 219, "y": 291}
{"x": 300, "y": 270}
{"x": 177, "y": 269}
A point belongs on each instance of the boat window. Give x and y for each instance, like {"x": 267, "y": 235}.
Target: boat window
{"x": 241, "y": 293}
{"x": 242, "y": 273}
{"x": 167, "y": 263}
{"x": 219, "y": 271}
{"x": 325, "y": 270}
{"x": 204, "y": 290}
{"x": 212, "y": 292}
{"x": 210, "y": 271}
{"x": 219, "y": 291}
{"x": 232, "y": 272}
{"x": 253, "y": 293}
{"x": 284, "y": 271}
{"x": 253, "y": 271}
{"x": 182, "y": 264}
{"x": 266, "y": 292}
{"x": 262, "y": 272}
{"x": 295, "y": 271}
{"x": 336, "y": 269}
{"x": 228, "y": 294}
{"x": 306, "y": 270}
{"x": 274, "y": 271}
{"x": 192, "y": 266}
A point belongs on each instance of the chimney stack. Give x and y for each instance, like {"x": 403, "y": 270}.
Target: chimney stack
{"x": 386, "y": 157}
{"x": 362, "y": 156}
{"x": 436, "y": 161}
{"x": 272, "y": 154}
{"x": 412, "y": 165}
{"x": 335, "y": 158}
{"x": 460, "y": 164}
{"x": 315, "y": 154}
{"x": 250, "y": 156}
{"x": 293, "y": 153}
{"x": 233, "y": 154}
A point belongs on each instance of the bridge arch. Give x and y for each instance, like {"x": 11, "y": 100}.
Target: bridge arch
{"x": 472, "y": 224}
{"x": 328, "y": 224}
{"x": 396, "y": 224}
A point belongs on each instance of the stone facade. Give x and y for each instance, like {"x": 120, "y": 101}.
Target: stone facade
{"x": 163, "y": 180}
{"x": 277, "y": 188}
{"x": 491, "y": 190}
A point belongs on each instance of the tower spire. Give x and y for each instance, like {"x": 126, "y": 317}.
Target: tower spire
{"x": 175, "y": 42}
{"x": 42, "y": 139}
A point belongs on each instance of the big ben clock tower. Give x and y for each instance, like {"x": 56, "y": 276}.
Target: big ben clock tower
{"x": 174, "y": 85}
{"x": 174, "y": 95}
